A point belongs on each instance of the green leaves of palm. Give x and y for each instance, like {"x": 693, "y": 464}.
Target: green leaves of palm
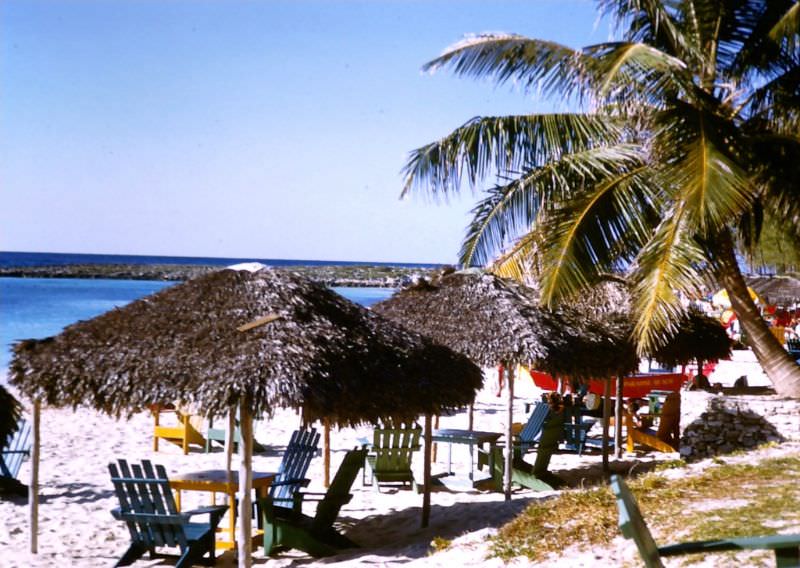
{"x": 694, "y": 114}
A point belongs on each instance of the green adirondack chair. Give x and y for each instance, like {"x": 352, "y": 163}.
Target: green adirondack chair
{"x": 390, "y": 457}
{"x": 632, "y": 525}
{"x": 147, "y": 506}
{"x": 290, "y": 528}
{"x": 549, "y": 434}
{"x": 218, "y": 434}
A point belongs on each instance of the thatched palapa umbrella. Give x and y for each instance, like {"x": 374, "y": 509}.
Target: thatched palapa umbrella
{"x": 495, "y": 321}
{"x": 491, "y": 320}
{"x": 257, "y": 341}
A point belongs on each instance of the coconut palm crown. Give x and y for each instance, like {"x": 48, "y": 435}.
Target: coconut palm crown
{"x": 686, "y": 133}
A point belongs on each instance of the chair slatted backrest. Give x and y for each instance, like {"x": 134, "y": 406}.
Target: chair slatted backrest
{"x": 147, "y": 504}
{"x": 338, "y": 493}
{"x": 632, "y": 524}
{"x": 294, "y": 465}
{"x": 19, "y": 447}
{"x": 669, "y": 423}
{"x": 394, "y": 445}
{"x": 532, "y": 431}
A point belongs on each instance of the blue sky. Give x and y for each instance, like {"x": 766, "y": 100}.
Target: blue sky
{"x": 270, "y": 129}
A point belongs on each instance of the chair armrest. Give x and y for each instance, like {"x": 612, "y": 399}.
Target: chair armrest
{"x": 772, "y": 542}
{"x": 116, "y": 512}
{"x": 215, "y": 513}
{"x": 303, "y": 482}
{"x": 270, "y": 511}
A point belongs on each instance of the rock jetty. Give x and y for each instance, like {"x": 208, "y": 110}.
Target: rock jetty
{"x": 340, "y": 275}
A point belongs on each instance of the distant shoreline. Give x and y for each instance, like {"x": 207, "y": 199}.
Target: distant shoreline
{"x": 341, "y": 276}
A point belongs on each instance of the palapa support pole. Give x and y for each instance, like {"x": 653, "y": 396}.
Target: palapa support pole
{"x": 245, "y": 484}
{"x": 435, "y": 446}
{"x": 326, "y": 442}
{"x": 471, "y": 415}
{"x": 618, "y": 420}
{"x": 606, "y": 417}
{"x": 33, "y": 490}
{"x": 509, "y": 370}
{"x": 426, "y": 475}
{"x": 230, "y": 440}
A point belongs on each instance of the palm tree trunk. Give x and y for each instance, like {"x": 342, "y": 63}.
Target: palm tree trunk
{"x": 780, "y": 368}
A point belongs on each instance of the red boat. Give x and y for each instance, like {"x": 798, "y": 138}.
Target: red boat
{"x": 633, "y": 386}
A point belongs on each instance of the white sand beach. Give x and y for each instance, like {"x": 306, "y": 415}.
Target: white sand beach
{"x": 77, "y": 529}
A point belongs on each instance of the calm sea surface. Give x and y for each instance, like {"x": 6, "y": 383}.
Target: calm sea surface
{"x": 41, "y": 307}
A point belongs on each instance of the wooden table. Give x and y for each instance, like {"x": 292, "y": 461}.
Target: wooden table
{"x": 216, "y": 481}
{"x": 471, "y": 438}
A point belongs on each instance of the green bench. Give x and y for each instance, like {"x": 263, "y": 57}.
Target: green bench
{"x": 632, "y": 525}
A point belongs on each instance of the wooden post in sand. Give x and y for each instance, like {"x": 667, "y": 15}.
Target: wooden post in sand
{"x": 509, "y": 370}
{"x": 326, "y": 442}
{"x": 230, "y": 440}
{"x": 618, "y": 420}
{"x": 606, "y": 420}
{"x": 245, "y": 484}
{"x": 33, "y": 490}
{"x": 426, "y": 473}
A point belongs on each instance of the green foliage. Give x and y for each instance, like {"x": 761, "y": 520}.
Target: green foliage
{"x": 692, "y": 133}
{"x": 694, "y": 507}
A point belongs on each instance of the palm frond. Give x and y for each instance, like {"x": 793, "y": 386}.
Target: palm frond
{"x": 501, "y": 146}
{"x": 787, "y": 28}
{"x": 593, "y": 232}
{"x": 511, "y": 209}
{"x": 619, "y": 66}
{"x": 650, "y": 21}
{"x": 702, "y": 166}
{"x": 670, "y": 262}
{"x": 526, "y": 62}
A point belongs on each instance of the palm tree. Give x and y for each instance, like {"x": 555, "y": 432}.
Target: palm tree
{"x": 686, "y": 133}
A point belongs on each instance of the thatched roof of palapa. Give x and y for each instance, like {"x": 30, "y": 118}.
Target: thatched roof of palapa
{"x": 783, "y": 290}
{"x": 10, "y": 413}
{"x": 306, "y": 347}
{"x": 493, "y": 320}
{"x": 698, "y": 337}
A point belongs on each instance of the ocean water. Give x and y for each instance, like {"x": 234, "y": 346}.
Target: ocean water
{"x": 34, "y": 308}
{"x": 26, "y": 259}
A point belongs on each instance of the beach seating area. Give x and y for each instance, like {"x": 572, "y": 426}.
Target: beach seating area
{"x": 77, "y": 527}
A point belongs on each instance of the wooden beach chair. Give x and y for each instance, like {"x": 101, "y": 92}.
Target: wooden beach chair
{"x": 523, "y": 474}
{"x": 147, "y": 506}
{"x": 290, "y": 528}
{"x": 18, "y": 448}
{"x": 666, "y": 437}
{"x": 291, "y": 476}
{"x": 183, "y": 429}
{"x": 218, "y": 434}
{"x": 390, "y": 455}
{"x": 632, "y": 525}
{"x": 11, "y": 458}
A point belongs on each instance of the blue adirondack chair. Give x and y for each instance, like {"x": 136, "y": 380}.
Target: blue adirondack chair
{"x": 147, "y": 506}
{"x": 18, "y": 448}
{"x": 632, "y": 525}
{"x": 290, "y": 528}
{"x": 291, "y": 476}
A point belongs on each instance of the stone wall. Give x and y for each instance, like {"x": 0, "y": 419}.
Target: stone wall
{"x": 719, "y": 424}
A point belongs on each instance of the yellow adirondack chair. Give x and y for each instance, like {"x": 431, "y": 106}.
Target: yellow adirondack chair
{"x": 667, "y": 436}
{"x": 183, "y": 429}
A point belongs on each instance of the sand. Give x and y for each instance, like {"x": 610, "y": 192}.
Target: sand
{"x": 76, "y": 527}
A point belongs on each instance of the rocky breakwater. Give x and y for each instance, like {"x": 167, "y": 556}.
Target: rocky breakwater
{"x": 340, "y": 275}
{"x": 731, "y": 423}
